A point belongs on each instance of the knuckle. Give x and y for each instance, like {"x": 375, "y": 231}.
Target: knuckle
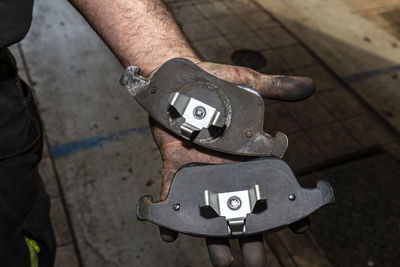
{"x": 223, "y": 261}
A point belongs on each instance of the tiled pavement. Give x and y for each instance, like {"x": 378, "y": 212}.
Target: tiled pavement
{"x": 332, "y": 126}
{"x": 327, "y": 132}
{"x": 362, "y": 228}
{"x": 385, "y": 12}
{"x": 333, "y": 123}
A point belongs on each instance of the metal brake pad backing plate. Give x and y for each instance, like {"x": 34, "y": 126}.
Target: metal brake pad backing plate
{"x": 282, "y": 200}
{"x": 209, "y": 111}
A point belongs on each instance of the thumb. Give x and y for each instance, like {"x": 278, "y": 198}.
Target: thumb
{"x": 166, "y": 234}
{"x": 279, "y": 87}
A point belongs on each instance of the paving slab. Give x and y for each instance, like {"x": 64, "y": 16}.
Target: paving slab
{"x": 394, "y": 150}
{"x": 334, "y": 140}
{"x": 187, "y": 14}
{"x": 368, "y": 131}
{"x": 101, "y": 185}
{"x": 59, "y": 221}
{"x": 355, "y": 48}
{"x": 247, "y": 40}
{"x": 66, "y": 257}
{"x": 230, "y": 24}
{"x": 296, "y": 56}
{"x": 277, "y": 37}
{"x": 361, "y": 229}
{"x": 310, "y": 113}
{"x": 242, "y": 7}
{"x": 297, "y": 250}
{"x": 261, "y": 21}
{"x": 384, "y": 12}
{"x": 213, "y": 9}
{"x": 342, "y": 103}
{"x": 105, "y": 157}
{"x": 62, "y": 75}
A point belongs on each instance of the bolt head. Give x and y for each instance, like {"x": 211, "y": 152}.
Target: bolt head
{"x": 292, "y": 196}
{"x": 234, "y": 203}
{"x": 199, "y": 112}
{"x": 248, "y": 134}
{"x": 176, "y": 206}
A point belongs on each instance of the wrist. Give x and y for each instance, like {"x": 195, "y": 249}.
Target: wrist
{"x": 150, "y": 65}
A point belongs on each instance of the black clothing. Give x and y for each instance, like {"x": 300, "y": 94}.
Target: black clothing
{"x": 25, "y": 226}
{"x": 15, "y": 20}
{"x": 24, "y": 204}
{"x": 19, "y": 130}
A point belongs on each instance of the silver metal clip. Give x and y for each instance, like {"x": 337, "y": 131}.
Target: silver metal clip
{"x": 197, "y": 114}
{"x": 234, "y": 206}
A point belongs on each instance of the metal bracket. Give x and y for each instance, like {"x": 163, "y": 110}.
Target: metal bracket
{"x": 233, "y": 114}
{"x": 234, "y": 206}
{"x": 197, "y": 115}
{"x": 193, "y": 206}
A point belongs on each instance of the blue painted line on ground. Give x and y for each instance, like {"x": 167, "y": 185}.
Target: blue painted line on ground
{"x": 96, "y": 141}
{"x": 91, "y": 142}
{"x": 369, "y": 74}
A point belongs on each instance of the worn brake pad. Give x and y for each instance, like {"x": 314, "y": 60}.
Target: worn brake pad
{"x": 234, "y": 199}
{"x": 205, "y": 109}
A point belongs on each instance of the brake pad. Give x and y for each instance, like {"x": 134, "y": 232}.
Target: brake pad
{"x": 205, "y": 109}
{"x": 236, "y": 199}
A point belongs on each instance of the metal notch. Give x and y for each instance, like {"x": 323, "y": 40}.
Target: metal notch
{"x": 234, "y": 206}
{"x": 197, "y": 114}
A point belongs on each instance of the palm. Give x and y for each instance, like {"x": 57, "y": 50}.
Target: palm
{"x": 176, "y": 152}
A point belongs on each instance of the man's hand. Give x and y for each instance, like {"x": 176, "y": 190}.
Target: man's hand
{"x": 144, "y": 33}
{"x": 176, "y": 152}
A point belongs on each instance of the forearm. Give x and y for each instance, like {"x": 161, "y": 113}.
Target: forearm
{"x": 139, "y": 32}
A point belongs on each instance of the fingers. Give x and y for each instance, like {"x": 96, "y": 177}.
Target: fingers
{"x": 219, "y": 251}
{"x": 280, "y": 87}
{"x": 168, "y": 235}
{"x": 253, "y": 252}
{"x": 301, "y": 226}
{"x": 285, "y": 88}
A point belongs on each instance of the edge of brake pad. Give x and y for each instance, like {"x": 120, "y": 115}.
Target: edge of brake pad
{"x": 286, "y": 200}
{"x": 241, "y": 107}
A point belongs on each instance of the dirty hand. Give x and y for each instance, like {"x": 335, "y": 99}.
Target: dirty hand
{"x": 176, "y": 152}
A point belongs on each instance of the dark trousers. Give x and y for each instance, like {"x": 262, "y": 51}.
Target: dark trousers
{"x": 24, "y": 204}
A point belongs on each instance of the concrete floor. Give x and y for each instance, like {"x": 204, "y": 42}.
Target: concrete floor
{"x": 101, "y": 157}
{"x": 362, "y": 54}
{"x": 385, "y": 13}
{"x": 362, "y": 228}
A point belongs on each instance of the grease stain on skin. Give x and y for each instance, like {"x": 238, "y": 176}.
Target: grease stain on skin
{"x": 149, "y": 182}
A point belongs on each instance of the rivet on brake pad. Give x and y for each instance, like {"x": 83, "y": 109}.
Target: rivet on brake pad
{"x": 197, "y": 114}
{"x": 234, "y": 206}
